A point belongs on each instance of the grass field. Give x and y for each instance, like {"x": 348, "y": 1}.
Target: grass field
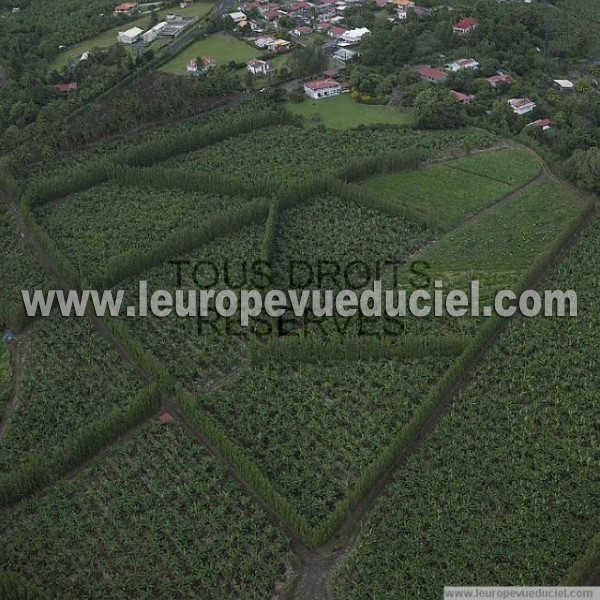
{"x": 459, "y": 189}
{"x": 220, "y": 46}
{"x": 156, "y": 518}
{"x": 109, "y": 37}
{"x": 342, "y": 112}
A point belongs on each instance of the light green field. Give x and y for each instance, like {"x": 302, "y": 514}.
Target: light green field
{"x": 109, "y": 37}
{"x": 342, "y": 112}
{"x": 222, "y": 47}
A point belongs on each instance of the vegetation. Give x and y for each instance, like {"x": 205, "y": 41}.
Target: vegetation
{"x": 194, "y": 530}
{"x": 521, "y": 437}
{"x": 5, "y": 376}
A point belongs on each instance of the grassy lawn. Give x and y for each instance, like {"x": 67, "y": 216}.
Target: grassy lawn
{"x": 109, "y": 37}
{"x": 222, "y": 47}
{"x": 342, "y": 112}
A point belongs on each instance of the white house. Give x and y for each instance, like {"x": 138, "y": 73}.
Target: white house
{"x": 463, "y": 64}
{"x": 258, "y": 67}
{"x": 153, "y": 33}
{"x": 564, "y": 85}
{"x": 207, "y": 63}
{"x": 264, "y": 41}
{"x": 237, "y": 17}
{"x": 354, "y": 36}
{"x": 344, "y": 56}
{"x": 322, "y": 88}
{"x": 521, "y": 106}
{"x": 131, "y": 36}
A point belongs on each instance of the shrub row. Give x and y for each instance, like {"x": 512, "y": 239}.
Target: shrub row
{"x": 41, "y": 471}
{"x": 361, "y": 168}
{"x": 183, "y": 241}
{"x": 248, "y": 470}
{"x": 310, "y": 350}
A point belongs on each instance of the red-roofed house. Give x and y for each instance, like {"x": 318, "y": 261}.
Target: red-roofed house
{"x": 322, "y": 88}
{"x": 324, "y": 26}
{"x": 430, "y": 74}
{"x": 302, "y": 5}
{"x": 300, "y": 31}
{"x": 543, "y": 124}
{"x": 498, "y": 80}
{"x": 66, "y": 87}
{"x": 258, "y": 67}
{"x": 127, "y": 9}
{"x": 336, "y": 31}
{"x": 462, "y": 98}
{"x": 466, "y": 26}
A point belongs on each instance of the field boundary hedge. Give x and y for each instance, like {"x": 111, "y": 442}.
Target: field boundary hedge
{"x": 586, "y": 566}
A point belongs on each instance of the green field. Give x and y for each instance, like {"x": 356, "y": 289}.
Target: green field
{"x": 156, "y": 518}
{"x": 222, "y": 47}
{"x": 457, "y": 190}
{"x": 5, "y": 377}
{"x": 512, "y": 468}
{"x": 109, "y": 37}
{"x": 342, "y": 112}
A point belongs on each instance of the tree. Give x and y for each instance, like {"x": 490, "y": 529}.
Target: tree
{"x": 584, "y": 169}
{"x": 437, "y": 109}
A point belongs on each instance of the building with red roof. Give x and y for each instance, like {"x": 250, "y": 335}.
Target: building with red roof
{"x": 431, "y": 74}
{"x": 466, "y": 26}
{"x": 66, "y": 87}
{"x": 461, "y": 97}
{"x": 543, "y": 124}
{"x": 498, "y": 80}
{"x": 336, "y": 31}
{"x": 322, "y": 88}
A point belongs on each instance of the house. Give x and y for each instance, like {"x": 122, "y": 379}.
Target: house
{"x": 354, "y": 36}
{"x": 274, "y": 15}
{"x": 126, "y": 9}
{"x": 563, "y": 85}
{"x": 462, "y": 98}
{"x": 543, "y": 124}
{"x": 66, "y": 87}
{"x": 344, "y": 56}
{"x": 336, "y": 31}
{"x": 279, "y": 46}
{"x": 466, "y": 26}
{"x": 185, "y": 3}
{"x": 322, "y": 88}
{"x": 404, "y": 4}
{"x": 463, "y": 64}
{"x": 323, "y": 26}
{"x": 300, "y": 6}
{"x": 131, "y": 36}
{"x": 258, "y": 67}
{"x": 499, "y": 80}
{"x": 521, "y": 106}
{"x": 430, "y": 74}
{"x": 303, "y": 30}
{"x": 154, "y": 32}
{"x": 208, "y": 62}
{"x": 264, "y": 41}
{"x": 237, "y": 17}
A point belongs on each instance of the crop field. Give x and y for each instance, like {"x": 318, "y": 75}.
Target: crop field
{"x": 57, "y": 398}
{"x": 195, "y": 352}
{"x": 459, "y": 189}
{"x": 100, "y": 224}
{"x": 522, "y": 439}
{"x": 18, "y": 268}
{"x": 156, "y": 518}
{"x": 109, "y": 37}
{"x": 290, "y": 153}
{"x": 222, "y": 47}
{"x": 344, "y": 415}
{"x": 342, "y": 112}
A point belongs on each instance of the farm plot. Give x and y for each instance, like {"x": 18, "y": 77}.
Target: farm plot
{"x": 100, "y": 224}
{"x": 511, "y": 471}
{"x": 70, "y": 376}
{"x": 291, "y": 153}
{"x": 222, "y": 47}
{"x": 315, "y": 428}
{"x": 18, "y": 268}
{"x": 453, "y": 194}
{"x": 197, "y": 351}
{"x": 331, "y": 231}
{"x": 156, "y": 518}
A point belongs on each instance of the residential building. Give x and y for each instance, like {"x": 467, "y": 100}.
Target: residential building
{"x": 463, "y": 64}
{"x": 279, "y": 46}
{"x": 237, "y": 17}
{"x": 354, "y": 36}
{"x": 498, "y": 80}
{"x": 543, "y": 124}
{"x": 336, "y": 31}
{"x": 303, "y": 30}
{"x": 66, "y": 87}
{"x": 430, "y": 74}
{"x": 258, "y": 67}
{"x": 153, "y": 33}
{"x": 521, "y": 106}
{"x": 563, "y": 85}
{"x": 126, "y": 9}
{"x": 466, "y": 26}
{"x": 322, "y": 88}
{"x": 208, "y": 62}
{"x": 461, "y": 97}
